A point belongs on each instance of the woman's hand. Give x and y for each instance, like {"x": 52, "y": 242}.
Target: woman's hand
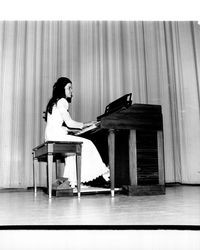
{"x": 88, "y": 124}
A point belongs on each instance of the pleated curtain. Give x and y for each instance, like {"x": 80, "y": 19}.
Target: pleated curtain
{"x": 158, "y": 62}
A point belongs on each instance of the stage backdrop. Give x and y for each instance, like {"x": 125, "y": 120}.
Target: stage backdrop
{"x": 159, "y": 62}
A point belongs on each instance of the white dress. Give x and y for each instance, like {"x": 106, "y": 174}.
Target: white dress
{"x": 92, "y": 165}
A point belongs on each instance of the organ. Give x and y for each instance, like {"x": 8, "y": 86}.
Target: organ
{"x": 129, "y": 138}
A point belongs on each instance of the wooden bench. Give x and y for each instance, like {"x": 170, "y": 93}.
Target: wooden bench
{"x": 51, "y": 151}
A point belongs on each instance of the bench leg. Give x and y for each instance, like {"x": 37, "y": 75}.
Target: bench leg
{"x": 35, "y": 162}
{"x": 111, "y": 151}
{"x": 78, "y": 174}
{"x": 50, "y": 167}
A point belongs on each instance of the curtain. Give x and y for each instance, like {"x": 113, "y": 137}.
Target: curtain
{"x": 159, "y": 62}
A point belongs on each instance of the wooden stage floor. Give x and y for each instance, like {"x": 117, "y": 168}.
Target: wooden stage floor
{"x": 179, "y": 206}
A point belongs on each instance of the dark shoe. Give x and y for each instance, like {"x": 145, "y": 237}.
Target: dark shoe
{"x": 98, "y": 182}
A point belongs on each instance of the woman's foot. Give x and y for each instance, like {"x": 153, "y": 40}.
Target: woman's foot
{"x": 99, "y": 182}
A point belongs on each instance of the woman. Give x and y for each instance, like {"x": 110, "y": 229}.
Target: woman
{"x": 57, "y": 112}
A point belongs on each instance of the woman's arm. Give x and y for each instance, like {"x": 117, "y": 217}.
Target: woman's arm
{"x": 63, "y": 106}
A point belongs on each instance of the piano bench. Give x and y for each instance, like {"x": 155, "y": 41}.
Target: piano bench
{"x": 51, "y": 151}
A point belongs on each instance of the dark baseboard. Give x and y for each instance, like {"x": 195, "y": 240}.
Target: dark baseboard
{"x": 172, "y": 184}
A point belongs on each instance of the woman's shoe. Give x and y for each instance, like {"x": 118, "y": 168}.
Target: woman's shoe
{"x": 99, "y": 182}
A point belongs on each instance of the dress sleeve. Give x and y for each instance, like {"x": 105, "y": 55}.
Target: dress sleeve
{"x": 63, "y": 106}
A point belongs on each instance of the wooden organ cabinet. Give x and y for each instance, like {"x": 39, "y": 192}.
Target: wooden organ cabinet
{"x": 129, "y": 137}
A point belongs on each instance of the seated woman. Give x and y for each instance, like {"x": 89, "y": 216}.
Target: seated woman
{"x": 57, "y": 112}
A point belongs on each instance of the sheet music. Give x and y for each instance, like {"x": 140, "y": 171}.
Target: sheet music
{"x": 93, "y": 126}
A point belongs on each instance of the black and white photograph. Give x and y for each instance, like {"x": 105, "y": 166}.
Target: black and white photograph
{"x": 99, "y": 129}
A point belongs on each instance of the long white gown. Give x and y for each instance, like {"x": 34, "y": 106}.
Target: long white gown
{"x": 92, "y": 165}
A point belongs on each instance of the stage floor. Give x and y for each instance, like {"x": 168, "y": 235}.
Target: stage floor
{"x": 179, "y": 206}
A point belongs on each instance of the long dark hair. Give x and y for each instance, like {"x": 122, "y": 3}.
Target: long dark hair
{"x": 58, "y": 93}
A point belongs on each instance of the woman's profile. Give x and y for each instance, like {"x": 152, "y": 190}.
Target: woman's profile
{"x": 57, "y": 112}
